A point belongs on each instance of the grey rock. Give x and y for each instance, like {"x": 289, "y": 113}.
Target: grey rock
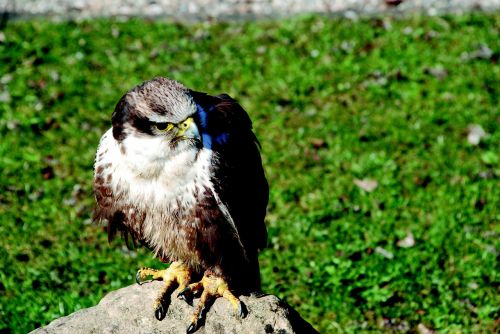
{"x": 130, "y": 310}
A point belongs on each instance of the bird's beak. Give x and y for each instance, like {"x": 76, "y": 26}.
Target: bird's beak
{"x": 183, "y": 127}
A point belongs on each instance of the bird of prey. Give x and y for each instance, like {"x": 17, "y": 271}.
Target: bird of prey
{"x": 180, "y": 172}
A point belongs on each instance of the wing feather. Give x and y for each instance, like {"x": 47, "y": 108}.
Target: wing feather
{"x": 238, "y": 176}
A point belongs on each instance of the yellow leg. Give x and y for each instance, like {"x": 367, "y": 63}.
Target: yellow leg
{"x": 213, "y": 287}
{"x": 177, "y": 274}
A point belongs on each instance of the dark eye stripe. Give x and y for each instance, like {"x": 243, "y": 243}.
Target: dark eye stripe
{"x": 141, "y": 124}
{"x": 161, "y": 126}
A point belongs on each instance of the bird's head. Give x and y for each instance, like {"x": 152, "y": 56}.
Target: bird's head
{"x": 156, "y": 120}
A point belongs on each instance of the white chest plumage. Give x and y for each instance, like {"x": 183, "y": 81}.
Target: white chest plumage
{"x": 153, "y": 187}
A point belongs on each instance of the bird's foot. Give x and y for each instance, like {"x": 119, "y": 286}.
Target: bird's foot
{"x": 213, "y": 287}
{"x": 177, "y": 274}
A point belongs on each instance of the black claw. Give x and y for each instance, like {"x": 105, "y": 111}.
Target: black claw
{"x": 186, "y": 289}
{"x": 191, "y": 329}
{"x": 186, "y": 296}
{"x": 187, "y": 299}
{"x": 242, "y": 310}
{"x": 138, "y": 277}
{"x": 160, "y": 312}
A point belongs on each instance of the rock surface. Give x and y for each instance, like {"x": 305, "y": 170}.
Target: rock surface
{"x": 130, "y": 310}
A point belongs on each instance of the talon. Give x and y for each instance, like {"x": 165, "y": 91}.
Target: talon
{"x": 161, "y": 312}
{"x": 145, "y": 272}
{"x": 183, "y": 292}
{"x": 191, "y": 329}
{"x": 242, "y": 310}
{"x": 138, "y": 277}
{"x": 188, "y": 300}
{"x": 176, "y": 274}
{"x": 186, "y": 296}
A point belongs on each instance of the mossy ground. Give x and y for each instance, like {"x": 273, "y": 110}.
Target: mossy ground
{"x": 332, "y": 101}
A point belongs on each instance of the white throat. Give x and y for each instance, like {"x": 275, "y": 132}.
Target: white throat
{"x": 151, "y": 172}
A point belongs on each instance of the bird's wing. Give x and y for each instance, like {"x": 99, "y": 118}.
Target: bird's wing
{"x": 238, "y": 176}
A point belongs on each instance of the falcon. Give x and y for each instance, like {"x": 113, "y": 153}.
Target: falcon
{"x": 180, "y": 172}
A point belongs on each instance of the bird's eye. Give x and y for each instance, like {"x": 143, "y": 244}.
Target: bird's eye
{"x": 163, "y": 126}
{"x": 186, "y": 123}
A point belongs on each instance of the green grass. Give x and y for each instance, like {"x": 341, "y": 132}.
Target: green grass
{"x": 332, "y": 101}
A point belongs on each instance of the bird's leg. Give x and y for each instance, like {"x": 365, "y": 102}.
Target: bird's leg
{"x": 213, "y": 287}
{"x": 177, "y": 274}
